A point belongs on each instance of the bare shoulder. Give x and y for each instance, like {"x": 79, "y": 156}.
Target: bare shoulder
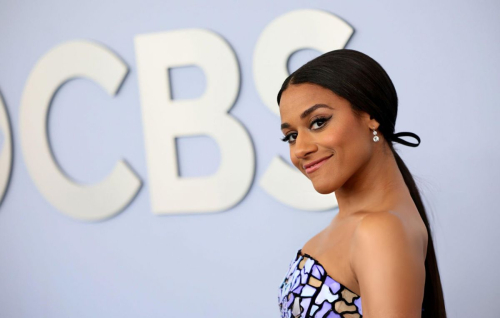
{"x": 388, "y": 263}
{"x": 381, "y": 225}
{"x": 394, "y": 229}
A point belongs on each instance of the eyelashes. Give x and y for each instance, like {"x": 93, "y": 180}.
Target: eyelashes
{"x": 321, "y": 123}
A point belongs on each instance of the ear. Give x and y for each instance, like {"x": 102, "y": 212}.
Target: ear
{"x": 371, "y": 122}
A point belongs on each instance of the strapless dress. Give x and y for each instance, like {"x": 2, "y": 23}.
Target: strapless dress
{"x": 308, "y": 291}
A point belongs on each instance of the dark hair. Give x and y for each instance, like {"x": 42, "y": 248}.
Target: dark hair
{"x": 364, "y": 83}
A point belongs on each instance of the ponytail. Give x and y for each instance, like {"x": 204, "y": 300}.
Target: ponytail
{"x": 433, "y": 304}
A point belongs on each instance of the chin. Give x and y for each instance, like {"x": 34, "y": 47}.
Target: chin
{"x": 324, "y": 188}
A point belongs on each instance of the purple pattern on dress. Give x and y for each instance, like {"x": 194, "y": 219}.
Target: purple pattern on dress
{"x": 357, "y": 302}
{"x": 307, "y": 291}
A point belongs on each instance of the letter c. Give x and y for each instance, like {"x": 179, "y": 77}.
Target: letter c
{"x": 66, "y": 61}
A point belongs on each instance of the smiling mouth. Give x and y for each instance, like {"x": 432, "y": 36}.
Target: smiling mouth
{"x": 316, "y": 166}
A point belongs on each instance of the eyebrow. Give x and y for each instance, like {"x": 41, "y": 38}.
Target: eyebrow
{"x": 306, "y": 113}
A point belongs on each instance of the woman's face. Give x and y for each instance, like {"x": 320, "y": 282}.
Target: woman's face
{"x": 318, "y": 124}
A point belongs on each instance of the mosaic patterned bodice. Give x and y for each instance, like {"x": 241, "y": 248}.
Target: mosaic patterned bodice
{"x": 307, "y": 291}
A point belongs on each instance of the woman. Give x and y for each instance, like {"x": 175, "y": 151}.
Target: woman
{"x": 376, "y": 258}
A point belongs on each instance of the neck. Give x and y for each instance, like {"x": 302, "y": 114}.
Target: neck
{"x": 377, "y": 186}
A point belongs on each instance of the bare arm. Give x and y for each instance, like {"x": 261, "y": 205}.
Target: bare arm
{"x": 388, "y": 263}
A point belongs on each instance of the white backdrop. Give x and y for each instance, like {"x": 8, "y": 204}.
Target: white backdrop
{"x": 442, "y": 58}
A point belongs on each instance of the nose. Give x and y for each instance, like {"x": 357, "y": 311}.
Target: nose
{"x": 303, "y": 146}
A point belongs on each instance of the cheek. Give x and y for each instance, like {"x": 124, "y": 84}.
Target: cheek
{"x": 333, "y": 140}
{"x": 346, "y": 143}
{"x": 294, "y": 159}
{"x": 356, "y": 148}
{"x": 336, "y": 139}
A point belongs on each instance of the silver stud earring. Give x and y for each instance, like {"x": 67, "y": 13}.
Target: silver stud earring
{"x": 375, "y": 137}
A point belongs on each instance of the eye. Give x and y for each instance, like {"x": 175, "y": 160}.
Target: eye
{"x": 320, "y": 121}
{"x": 287, "y": 138}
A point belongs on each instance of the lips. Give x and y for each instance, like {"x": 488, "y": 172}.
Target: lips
{"x": 315, "y": 165}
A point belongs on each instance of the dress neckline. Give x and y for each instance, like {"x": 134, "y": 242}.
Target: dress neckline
{"x": 300, "y": 253}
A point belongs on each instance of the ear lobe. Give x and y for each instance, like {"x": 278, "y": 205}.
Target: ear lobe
{"x": 372, "y": 122}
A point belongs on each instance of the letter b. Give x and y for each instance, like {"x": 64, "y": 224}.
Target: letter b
{"x": 165, "y": 119}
